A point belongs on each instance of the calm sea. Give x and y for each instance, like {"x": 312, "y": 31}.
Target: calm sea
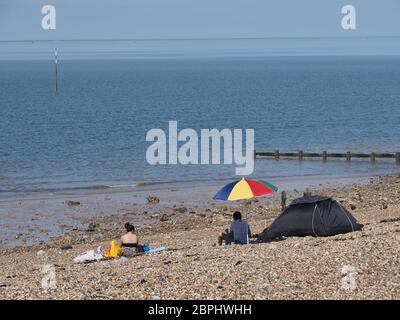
{"x": 92, "y": 133}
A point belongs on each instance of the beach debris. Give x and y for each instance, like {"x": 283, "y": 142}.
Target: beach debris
{"x": 119, "y": 260}
{"x": 349, "y": 277}
{"x": 66, "y": 247}
{"x": 71, "y": 203}
{"x": 390, "y": 220}
{"x": 91, "y": 227}
{"x": 352, "y": 206}
{"x": 227, "y": 213}
{"x": 384, "y": 203}
{"x": 152, "y": 199}
{"x": 165, "y": 217}
{"x": 49, "y": 280}
{"x": 40, "y": 253}
{"x": 180, "y": 209}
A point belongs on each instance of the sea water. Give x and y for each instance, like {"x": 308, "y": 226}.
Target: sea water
{"x": 91, "y": 134}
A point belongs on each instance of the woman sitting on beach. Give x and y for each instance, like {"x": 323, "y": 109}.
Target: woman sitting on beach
{"x": 129, "y": 241}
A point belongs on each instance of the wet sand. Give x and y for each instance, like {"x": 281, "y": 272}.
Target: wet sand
{"x": 193, "y": 267}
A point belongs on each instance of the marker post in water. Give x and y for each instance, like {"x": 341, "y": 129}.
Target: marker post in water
{"x": 56, "y": 67}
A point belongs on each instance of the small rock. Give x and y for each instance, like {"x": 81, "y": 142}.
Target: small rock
{"x": 71, "y": 203}
{"x": 152, "y": 199}
{"x": 384, "y": 203}
{"x": 165, "y": 217}
{"x": 40, "y": 253}
{"x": 66, "y": 247}
{"x": 91, "y": 227}
{"x": 180, "y": 209}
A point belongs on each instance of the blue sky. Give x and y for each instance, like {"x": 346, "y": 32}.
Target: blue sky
{"x": 144, "y": 19}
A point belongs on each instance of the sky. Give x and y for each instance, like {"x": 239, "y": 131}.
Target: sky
{"x": 176, "y": 19}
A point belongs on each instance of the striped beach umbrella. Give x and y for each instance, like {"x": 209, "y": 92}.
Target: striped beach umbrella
{"x": 245, "y": 189}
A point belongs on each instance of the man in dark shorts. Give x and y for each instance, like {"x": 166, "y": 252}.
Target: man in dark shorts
{"x": 239, "y": 232}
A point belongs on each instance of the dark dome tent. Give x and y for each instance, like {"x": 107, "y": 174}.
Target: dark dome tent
{"x": 316, "y": 216}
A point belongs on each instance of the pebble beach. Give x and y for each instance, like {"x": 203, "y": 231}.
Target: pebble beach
{"x": 358, "y": 265}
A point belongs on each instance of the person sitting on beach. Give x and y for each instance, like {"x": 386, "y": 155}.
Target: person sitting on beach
{"x": 129, "y": 241}
{"x": 238, "y": 233}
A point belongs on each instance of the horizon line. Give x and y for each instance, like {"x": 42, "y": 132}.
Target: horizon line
{"x": 204, "y": 39}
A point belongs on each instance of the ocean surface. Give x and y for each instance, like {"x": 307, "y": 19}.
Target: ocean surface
{"x": 91, "y": 134}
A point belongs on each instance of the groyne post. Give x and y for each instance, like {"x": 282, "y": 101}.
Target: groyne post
{"x": 283, "y": 200}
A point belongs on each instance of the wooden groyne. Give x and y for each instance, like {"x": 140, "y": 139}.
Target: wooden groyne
{"x": 324, "y": 155}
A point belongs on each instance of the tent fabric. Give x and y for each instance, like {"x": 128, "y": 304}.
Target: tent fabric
{"x": 312, "y": 216}
{"x": 309, "y": 199}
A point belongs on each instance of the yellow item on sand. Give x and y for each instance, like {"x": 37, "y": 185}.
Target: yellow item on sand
{"x": 113, "y": 251}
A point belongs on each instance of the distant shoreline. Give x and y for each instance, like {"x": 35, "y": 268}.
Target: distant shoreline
{"x": 251, "y": 47}
{"x": 204, "y": 39}
{"x": 290, "y": 182}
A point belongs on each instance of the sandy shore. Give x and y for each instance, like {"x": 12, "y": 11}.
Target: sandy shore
{"x": 35, "y": 218}
{"x": 193, "y": 267}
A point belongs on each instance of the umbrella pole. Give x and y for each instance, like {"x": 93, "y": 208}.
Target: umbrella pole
{"x": 244, "y": 210}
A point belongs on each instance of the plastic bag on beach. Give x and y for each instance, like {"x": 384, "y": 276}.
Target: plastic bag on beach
{"x": 89, "y": 256}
